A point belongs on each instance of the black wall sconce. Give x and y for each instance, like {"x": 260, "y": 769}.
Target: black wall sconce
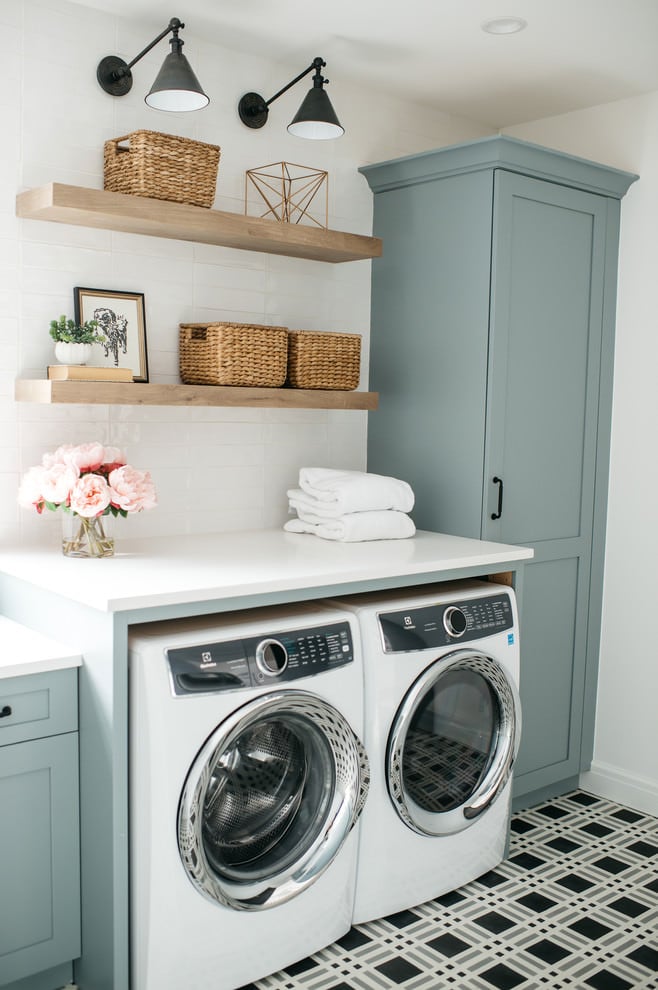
{"x": 175, "y": 88}
{"x": 315, "y": 118}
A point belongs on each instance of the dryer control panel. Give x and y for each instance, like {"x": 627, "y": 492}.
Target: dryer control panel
{"x": 256, "y": 661}
{"x": 431, "y": 626}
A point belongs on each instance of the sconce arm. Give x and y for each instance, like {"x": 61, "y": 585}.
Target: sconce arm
{"x": 174, "y": 25}
{"x": 253, "y": 109}
{"x": 316, "y": 64}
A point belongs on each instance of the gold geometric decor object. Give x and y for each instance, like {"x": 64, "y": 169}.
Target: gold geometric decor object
{"x": 288, "y": 191}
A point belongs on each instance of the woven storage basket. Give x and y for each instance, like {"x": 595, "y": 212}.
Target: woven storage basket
{"x": 322, "y": 359}
{"x": 162, "y": 166}
{"x": 233, "y": 354}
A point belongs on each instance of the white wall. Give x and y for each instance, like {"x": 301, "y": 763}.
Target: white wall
{"x": 214, "y": 469}
{"x": 625, "y": 768}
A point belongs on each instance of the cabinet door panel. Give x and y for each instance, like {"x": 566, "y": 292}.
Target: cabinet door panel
{"x": 547, "y": 640}
{"x": 39, "y": 855}
{"x": 546, "y": 339}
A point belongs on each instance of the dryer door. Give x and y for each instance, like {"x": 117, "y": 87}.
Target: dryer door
{"x": 270, "y": 799}
{"x": 453, "y": 742}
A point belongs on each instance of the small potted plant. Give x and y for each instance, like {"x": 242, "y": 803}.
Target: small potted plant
{"x": 73, "y": 341}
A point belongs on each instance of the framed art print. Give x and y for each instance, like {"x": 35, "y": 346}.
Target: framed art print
{"x": 121, "y": 320}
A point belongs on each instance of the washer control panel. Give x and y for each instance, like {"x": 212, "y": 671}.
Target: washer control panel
{"x": 432, "y": 626}
{"x": 259, "y": 660}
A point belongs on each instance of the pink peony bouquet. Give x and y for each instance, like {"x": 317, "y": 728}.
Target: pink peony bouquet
{"x": 87, "y": 480}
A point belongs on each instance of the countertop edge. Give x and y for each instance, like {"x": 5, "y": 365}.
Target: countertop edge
{"x": 321, "y": 581}
{"x": 38, "y": 654}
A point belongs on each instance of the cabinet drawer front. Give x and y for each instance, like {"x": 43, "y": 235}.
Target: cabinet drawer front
{"x": 38, "y": 705}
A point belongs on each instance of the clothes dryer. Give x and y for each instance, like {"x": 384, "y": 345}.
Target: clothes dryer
{"x": 443, "y": 723}
{"x": 247, "y": 777}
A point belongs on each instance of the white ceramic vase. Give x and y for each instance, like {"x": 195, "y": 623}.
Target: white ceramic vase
{"x": 72, "y": 353}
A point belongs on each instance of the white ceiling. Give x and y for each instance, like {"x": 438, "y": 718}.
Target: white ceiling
{"x": 573, "y": 53}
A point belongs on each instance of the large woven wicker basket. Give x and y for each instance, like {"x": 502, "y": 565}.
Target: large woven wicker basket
{"x": 323, "y": 359}
{"x": 162, "y": 166}
{"x": 233, "y": 354}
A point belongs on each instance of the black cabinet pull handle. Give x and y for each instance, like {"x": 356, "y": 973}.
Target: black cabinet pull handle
{"x": 5, "y": 711}
{"x": 499, "y": 512}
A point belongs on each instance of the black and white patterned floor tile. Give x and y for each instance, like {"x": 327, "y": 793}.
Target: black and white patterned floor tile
{"x": 575, "y": 906}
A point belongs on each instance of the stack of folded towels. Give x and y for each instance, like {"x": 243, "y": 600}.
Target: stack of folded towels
{"x": 350, "y": 506}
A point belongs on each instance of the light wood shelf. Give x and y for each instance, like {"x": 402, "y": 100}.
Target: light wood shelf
{"x": 141, "y": 394}
{"x": 139, "y": 215}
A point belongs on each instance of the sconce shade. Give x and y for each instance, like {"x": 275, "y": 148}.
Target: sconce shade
{"x": 176, "y": 87}
{"x": 316, "y": 118}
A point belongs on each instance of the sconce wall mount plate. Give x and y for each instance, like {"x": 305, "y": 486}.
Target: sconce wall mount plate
{"x": 114, "y": 75}
{"x": 253, "y": 110}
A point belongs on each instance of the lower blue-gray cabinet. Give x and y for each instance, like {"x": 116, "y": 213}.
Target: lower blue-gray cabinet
{"x": 39, "y": 830}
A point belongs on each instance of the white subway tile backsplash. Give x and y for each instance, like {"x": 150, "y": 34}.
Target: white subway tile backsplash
{"x": 227, "y": 258}
{"x": 8, "y": 411}
{"x": 11, "y": 19}
{"x": 64, "y": 235}
{"x": 154, "y": 247}
{"x": 235, "y": 277}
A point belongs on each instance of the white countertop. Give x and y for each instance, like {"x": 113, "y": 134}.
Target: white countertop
{"x": 184, "y": 569}
{"x": 23, "y": 651}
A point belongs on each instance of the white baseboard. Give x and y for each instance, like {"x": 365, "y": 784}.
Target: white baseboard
{"x": 617, "y": 785}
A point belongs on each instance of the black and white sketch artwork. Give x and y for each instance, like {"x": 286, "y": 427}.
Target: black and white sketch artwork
{"x": 114, "y": 328}
{"x": 121, "y": 320}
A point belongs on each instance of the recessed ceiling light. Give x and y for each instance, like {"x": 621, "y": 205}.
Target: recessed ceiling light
{"x": 504, "y": 25}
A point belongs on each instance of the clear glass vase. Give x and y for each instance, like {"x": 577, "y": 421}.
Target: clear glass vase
{"x": 83, "y": 537}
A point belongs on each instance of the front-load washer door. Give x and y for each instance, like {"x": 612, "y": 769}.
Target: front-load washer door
{"x": 452, "y": 743}
{"x": 270, "y": 799}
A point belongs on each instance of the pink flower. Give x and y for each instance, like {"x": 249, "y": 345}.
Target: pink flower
{"x": 60, "y": 456}
{"x": 132, "y": 490}
{"x": 30, "y": 492}
{"x": 114, "y": 457}
{"x": 57, "y": 482}
{"x": 90, "y": 495}
{"x": 87, "y": 456}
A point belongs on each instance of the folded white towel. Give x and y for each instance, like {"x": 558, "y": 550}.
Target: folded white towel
{"x": 356, "y": 527}
{"x": 303, "y": 504}
{"x": 340, "y": 492}
{"x": 300, "y": 502}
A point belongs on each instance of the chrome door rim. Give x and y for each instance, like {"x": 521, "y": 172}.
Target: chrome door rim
{"x": 507, "y": 745}
{"x": 351, "y": 778}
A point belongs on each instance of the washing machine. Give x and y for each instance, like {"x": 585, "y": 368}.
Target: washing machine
{"x": 443, "y": 724}
{"x": 248, "y": 775}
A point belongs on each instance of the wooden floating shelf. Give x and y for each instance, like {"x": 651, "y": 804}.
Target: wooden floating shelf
{"x": 141, "y": 394}
{"x": 140, "y": 215}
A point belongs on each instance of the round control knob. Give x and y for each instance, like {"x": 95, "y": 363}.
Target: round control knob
{"x": 454, "y": 621}
{"x": 271, "y": 657}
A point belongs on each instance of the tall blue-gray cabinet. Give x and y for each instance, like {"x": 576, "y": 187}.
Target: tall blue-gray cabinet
{"x": 492, "y": 342}
{"x": 39, "y": 830}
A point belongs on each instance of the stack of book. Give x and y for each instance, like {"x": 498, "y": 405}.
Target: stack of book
{"x": 86, "y": 373}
